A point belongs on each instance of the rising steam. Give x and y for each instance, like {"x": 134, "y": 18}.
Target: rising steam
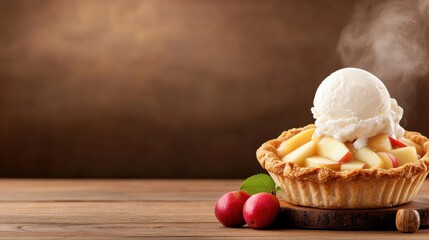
{"x": 390, "y": 39}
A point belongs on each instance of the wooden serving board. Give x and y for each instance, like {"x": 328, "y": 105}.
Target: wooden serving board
{"x": 292, "y": 216}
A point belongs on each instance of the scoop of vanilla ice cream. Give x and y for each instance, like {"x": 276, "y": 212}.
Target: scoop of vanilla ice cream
{"x": 353, "y": 104}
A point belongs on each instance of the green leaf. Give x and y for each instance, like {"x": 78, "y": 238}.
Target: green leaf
{"x": 259, "y": 183}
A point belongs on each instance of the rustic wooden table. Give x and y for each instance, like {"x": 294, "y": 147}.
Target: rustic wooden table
{"x": 140, "y": 209}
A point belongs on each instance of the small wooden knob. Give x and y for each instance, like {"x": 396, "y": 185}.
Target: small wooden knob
{"x": 407, "y": 220}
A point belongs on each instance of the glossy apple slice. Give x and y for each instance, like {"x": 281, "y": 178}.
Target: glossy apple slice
{"x": 321, "y": 162}
{"x": 354, "y": 164}
{"x": 369, "y": 157}
{"x": 333, "y": 149}
{"x": 396, "y": 143}
{"x": 410, "y": 143}
{"x": 294, "y": 142}
{"x": 388, "y": 159}
{"x": 405, "y": 155}
{"x": 380, "y": 143}
{"x": 350, "y": 146}
{"x": 298, "y": 155}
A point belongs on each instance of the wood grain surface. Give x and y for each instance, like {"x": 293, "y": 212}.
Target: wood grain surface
{"x": 350, "y": 219}
{"x": 138, "y": 209}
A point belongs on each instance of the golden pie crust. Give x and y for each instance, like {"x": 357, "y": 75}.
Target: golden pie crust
{"x": 358, "y": 188}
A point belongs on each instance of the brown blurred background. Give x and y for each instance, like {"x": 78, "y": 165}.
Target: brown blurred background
{"x": 180, "y": 88}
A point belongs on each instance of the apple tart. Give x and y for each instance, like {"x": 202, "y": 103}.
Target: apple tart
{"x": 326, "y": 173}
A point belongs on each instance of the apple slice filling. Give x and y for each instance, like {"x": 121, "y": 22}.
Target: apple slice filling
{"x": 382, "y": 151}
